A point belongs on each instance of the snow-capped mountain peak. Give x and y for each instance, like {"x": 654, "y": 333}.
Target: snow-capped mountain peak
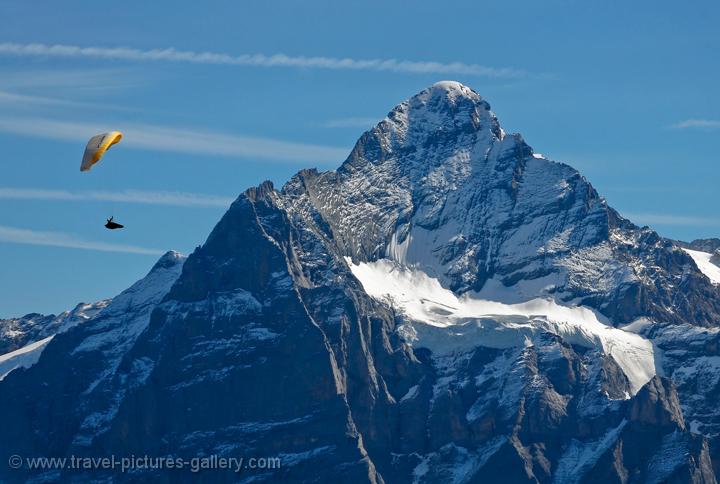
{"x": 446, "y": 306}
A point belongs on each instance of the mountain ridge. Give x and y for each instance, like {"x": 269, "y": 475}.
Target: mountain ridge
{"x": 269, "y": 339}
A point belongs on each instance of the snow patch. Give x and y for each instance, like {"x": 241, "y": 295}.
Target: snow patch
{"x": 411, "y": 393}
{"x": 290, "y": 459}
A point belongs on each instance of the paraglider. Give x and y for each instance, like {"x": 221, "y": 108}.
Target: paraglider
{"x": 94, "y": 151}
{"x": 113, "y": 225}
{"x": 96, "y": 148}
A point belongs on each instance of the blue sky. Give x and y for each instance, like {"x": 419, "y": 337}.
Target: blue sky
{"x": 217, "y": 96}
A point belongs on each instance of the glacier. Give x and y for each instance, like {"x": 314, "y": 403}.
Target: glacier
{"x": 452, "y": 324}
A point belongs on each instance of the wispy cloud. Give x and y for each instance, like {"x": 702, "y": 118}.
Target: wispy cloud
{"x": 350, "y": 123}
{"x": 176, "y": 199}
{"x": 60, "y": 239}
{"x": 650, "y": 189}
{"x": 178, "y": 140}
{"x": 76, "y": 88}
{"x": 86, "y": 81}
{"x": 676, "y": 220}
{"x": 259, "y": 60}
{"x": 12, "y": 98}
{"x": 697, "y": 124}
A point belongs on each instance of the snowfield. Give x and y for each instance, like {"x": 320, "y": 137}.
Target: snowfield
{"x": 445, "y": 323}
{"x": 702, "y": 259}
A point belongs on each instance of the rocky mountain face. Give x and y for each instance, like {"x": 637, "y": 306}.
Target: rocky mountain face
{"x": 446, "y": 306}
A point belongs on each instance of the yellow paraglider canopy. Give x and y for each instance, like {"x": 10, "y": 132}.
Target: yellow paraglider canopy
{"x": 96, "y": 148}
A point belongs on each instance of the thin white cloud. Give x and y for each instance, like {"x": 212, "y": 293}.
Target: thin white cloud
{"x": 178, "y": 140}
{"x": 85, "y": 81}
{"x": 12, "y": 98}
{"x": 677, "y": 220}
{"x": 258, "y": 60}
{"x": 350, "y": 123}
{"x": 697, "y": 124}
{"x": 60, "y": 239}
{"x": 66, "y": 88}
{"x": 176, "y": 199}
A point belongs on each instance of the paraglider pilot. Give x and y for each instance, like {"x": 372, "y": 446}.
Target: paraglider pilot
{"x": 113, "y": 225}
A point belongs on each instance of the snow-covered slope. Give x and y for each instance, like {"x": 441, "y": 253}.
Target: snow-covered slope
{"x": 705, "y": 264}
{"x": 24, "y": 357}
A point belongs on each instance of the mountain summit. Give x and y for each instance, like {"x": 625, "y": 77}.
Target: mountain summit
{"x": 446, "y": 306}
{"x": 438, "y": 185}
